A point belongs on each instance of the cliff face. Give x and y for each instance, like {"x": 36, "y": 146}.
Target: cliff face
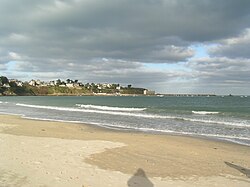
{"x": 15, "y": 87}
{"x": 15, "y": 90}
{"x": 27, "y": 90}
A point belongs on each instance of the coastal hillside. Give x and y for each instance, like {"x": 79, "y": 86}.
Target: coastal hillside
{"x": 12, "y": 87}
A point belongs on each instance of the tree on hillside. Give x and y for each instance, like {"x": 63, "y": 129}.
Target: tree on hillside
{"x": 68, "y": 81}
{"x": 13, "y": 84}
{"x": 58, "y": 82}
{"x": 3, "y": 80}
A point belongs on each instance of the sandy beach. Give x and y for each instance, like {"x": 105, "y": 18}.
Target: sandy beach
{"x": 42, "y": 153}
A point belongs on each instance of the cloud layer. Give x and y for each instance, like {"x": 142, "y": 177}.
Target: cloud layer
{"x": 121, "y": 40}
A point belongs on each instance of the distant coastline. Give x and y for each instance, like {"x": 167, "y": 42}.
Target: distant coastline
{"x": 14, "y": 87}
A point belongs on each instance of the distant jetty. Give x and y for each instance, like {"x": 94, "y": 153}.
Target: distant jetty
{"x": 186, "y": 95}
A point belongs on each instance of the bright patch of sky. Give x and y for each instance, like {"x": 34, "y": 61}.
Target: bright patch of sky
{"x": 11, "y": 65}
{"x": 200, "y": 51}
{"x": 166, "y": 66}
{"x": 12, "y": 72}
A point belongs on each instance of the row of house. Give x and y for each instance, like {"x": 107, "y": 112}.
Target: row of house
{"x": 69, "y": 84}
{"x": 108, "y": 86}
{"x": 75, "y": 84}
{"x": 7, "y": 84}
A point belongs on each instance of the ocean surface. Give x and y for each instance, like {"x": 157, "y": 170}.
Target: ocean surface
{"x": 217, "y": 117}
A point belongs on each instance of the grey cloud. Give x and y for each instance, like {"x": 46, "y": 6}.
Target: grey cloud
{"x": 172, "y": 53}
{"x": 122, "y": 29}
{"x": 236, "y": 47}
{"x": 191, "y": 20}
{"x": 156, "y": 80}
{"x": 3, "y": 67}
{"x": 222, "y": 71}
{"x": 220, "y": 75}
{"x": 72, "y": 39}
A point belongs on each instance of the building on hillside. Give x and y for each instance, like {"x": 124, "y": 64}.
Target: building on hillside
{"x": 73, "y": 85}
{"x": 18, "y": 83}
{"x": 70, "y": 85}
{"x": 148, "y": 92}
{"x": 6, "y": 85}
{"x": 32, "y": 83}
{"x": 38, "y": 82}
{"x": 52, "y": 83}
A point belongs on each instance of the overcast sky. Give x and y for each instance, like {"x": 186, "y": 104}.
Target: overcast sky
{"x": 171, "y": 46}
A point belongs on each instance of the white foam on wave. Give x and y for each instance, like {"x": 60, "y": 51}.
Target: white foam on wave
{"x": 146, "y": 129}
{"x": 48, "y": 119}
{"x": 226, "y": 123}
{"x": 233, "y": 139}
{"x": 139, "y": 115}
{"x": 95, "y": 111}
{"x": 204, "y": 112}
{"x": 110, "y": 108}
{"x": 236, "y": 139}
{"x": 49, "y": 107}
{"x": 4, "y": 102}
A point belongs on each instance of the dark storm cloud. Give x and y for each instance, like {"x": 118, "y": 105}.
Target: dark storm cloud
{"x": 123, "y": 29}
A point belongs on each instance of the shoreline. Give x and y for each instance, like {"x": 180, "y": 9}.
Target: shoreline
{"x": 131, "y": 130}
{"x": 166, "y": 159}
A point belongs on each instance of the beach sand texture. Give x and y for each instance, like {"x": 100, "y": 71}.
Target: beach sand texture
{"x": 41, "y": 153}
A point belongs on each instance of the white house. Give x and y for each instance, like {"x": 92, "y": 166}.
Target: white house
{"x": 148, "y": 92}
{"x": 32, "y": 83}
{"x": 70, "y": 85}
{"x": 52, "y": 83}
{"x": 6, "y": 85}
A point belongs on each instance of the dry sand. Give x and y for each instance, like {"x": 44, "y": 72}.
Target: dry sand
{"x": 41, "y": 153}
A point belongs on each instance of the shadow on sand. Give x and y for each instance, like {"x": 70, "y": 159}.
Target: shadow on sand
{"x": 239, "y": 168}
{"x": 139, "y": 179}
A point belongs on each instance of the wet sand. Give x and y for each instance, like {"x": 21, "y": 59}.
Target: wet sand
{"x": 42, "y": 153}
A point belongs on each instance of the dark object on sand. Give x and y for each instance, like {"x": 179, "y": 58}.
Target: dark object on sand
{"x": 139, "y": 180}
{"x": 239, "y": 168}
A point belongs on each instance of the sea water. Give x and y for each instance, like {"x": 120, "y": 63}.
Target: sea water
{"x": 218, "y": 117}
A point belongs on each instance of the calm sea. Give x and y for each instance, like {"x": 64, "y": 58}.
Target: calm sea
{"x": 226, "y": 118}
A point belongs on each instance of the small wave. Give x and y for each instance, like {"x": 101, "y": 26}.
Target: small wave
{"x": 49, "y": 107}
{"x": 48, "y": 119}
{"x": 237, "y": 142}
{"x": 234, "y": 139}
{"x": 110, "y": 108}
{"x": 96, "y": 111}
{"x": 139, "y": 115}
{"x": 204, "y": 112}
{"x": 226, "y": 123}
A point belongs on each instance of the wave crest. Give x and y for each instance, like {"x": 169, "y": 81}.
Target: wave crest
{"x": 138, "y": 115}
{"x": 109, "y": 108}
{"x": 204, "y": 112}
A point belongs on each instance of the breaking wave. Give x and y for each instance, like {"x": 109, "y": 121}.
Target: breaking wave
{"x": 110, "y": 108}
{"x": 204, "y": 112}
{"x": 142, "y": 114}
